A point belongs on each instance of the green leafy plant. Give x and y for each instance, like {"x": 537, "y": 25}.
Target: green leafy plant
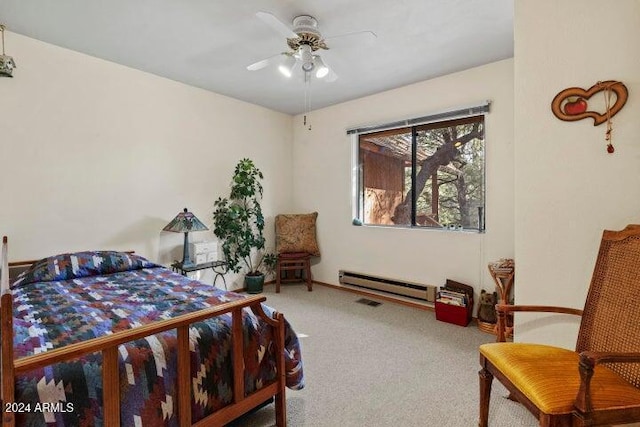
{"x": 239, "y": 222}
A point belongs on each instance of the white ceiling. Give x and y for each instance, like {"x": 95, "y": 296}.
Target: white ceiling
{"x": 209, "y": 43}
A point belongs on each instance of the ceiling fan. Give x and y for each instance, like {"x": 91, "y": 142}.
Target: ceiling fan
{"x": 304, "y": 41}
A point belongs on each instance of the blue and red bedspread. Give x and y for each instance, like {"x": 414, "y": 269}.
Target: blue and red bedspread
{"x": 75, "y": 297}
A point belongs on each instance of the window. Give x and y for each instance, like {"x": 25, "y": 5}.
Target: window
{"x": 442, "y": 163}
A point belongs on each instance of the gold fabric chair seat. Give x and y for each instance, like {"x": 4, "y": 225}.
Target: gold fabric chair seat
{"x": 548, "y": 376}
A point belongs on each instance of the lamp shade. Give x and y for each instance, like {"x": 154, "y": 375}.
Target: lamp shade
{"x": 185, "y": 222}
{"x": 322, "y": 69}
{"x": 286, "y": 68}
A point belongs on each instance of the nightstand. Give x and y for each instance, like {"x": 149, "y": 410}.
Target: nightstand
{"x": 218, "y": 267}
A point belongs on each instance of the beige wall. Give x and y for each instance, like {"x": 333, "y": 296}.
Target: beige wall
{"x": 97, "y": 155}
{"x": 78, "y": 131}
{"x": 322, "y": 182}
{"x": 568, "y": 189}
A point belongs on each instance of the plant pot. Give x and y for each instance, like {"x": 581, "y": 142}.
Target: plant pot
{"x": 254, "y": 284}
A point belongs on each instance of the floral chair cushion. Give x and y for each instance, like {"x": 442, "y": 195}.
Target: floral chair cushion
{"x": 297, "y": 233}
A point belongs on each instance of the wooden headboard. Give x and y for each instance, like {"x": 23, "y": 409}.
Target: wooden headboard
{"x": 15, "y": 268}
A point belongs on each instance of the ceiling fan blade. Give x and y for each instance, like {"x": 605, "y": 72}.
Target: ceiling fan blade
{"x": 276, "y": 24}
{"x": 263, "y": 63}
{"x": 356, "y": 37}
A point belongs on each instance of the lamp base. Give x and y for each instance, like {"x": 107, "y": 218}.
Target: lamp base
{"x": 187, "y": 264}
{"x": 186, "y": 259}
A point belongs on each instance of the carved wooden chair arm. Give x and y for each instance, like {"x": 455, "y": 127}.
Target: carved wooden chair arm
{"x": 592, "y": 358}
{"x": 588, "y": 360}
{"x": 503, "y": 309}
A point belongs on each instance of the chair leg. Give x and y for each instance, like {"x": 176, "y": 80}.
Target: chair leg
{"x": 485, "y": 396}
{"x": 308, "y": 273}
{"x": 278, "y": 273}
{"x": 281, "y": 410}
{"x": 547, "y": 420}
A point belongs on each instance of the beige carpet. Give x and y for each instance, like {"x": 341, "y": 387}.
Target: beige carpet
{"x": 389, "y": 365}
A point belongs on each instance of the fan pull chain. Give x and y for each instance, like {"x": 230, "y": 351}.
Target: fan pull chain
{"x": 307, "y": 99}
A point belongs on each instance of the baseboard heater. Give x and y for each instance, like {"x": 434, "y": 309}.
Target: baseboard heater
{"x": 392, "y": 286}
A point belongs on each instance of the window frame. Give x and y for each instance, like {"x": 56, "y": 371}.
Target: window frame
{"x": 443, "y": 121}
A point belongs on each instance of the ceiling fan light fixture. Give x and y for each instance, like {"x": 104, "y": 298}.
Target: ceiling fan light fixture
{"x": 306, "y": 57}
{"x": 305, "y": 42}
{"x": 286, "y": 68}
{"x": 284, "y": 71}
{"x": 307, "y": 66}
{"x": 322, "y": 69}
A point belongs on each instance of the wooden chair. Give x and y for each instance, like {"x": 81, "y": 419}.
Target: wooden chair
{"x": 598, "y": 383}
{"x": 296, "y": 243}
{"x": 292, "y": 262}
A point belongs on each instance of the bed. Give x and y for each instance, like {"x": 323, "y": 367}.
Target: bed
{"x": 110, "y": 338}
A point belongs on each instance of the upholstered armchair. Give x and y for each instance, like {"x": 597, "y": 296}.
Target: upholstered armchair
{"x": 597, "y": 384}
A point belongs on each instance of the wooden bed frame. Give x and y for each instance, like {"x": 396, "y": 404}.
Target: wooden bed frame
{"x": 108, "y": 345}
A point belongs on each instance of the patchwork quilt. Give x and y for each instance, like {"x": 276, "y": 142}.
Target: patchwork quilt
{"x": 75, "y": 297}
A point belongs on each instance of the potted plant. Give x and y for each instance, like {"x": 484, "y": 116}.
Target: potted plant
{"x": 239, "y": 224}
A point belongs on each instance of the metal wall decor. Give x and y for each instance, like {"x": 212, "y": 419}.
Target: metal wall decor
{"x": 572, "y": 104}
{"x": 7, "y": 64}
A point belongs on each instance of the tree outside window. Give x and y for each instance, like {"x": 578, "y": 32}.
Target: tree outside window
{"x": 442, "y": 162}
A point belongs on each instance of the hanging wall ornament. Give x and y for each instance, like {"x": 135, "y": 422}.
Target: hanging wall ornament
{"x": 7, "y": 64}
{"x": 572, "y": 104}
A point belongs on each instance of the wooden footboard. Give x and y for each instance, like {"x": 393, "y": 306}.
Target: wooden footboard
{"x": 108, "y": 345}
